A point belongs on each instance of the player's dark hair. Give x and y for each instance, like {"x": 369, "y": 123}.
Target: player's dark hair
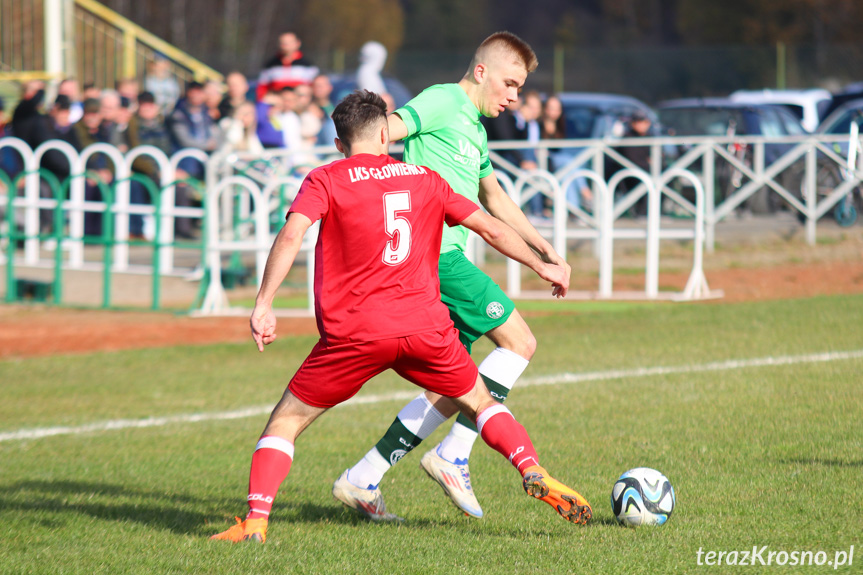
{"x": 359, "y": 115}
{"x": 513, "y": 43}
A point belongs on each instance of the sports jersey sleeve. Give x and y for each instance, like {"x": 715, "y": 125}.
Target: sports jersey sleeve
{"x": 485, "y": 167}
{"x": 456, "y": 206}
{"x": 312, "y": 200}
{"x": 427, "y": 112}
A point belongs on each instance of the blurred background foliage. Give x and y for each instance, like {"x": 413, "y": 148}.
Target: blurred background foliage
{"x": 650, "y": 48}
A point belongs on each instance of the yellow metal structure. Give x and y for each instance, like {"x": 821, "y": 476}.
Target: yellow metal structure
{"x": 100, "y": 46}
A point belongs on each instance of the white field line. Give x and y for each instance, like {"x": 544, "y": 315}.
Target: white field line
{"x": 37, "y": 433}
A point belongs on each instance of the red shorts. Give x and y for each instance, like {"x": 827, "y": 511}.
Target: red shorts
{"x": 433, "y": 360}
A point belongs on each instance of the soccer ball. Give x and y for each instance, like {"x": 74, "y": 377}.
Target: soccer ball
{"x": 642, "y": 496}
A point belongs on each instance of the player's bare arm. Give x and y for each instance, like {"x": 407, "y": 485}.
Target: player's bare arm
{"x": 498, "y": 203}
{"x": 397, "y": 128}
{"x": 282, "y": 254}
{"x": 505, "y": 240}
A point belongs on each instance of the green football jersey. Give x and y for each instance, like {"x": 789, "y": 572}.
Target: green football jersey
{"x": 445, "y": 134}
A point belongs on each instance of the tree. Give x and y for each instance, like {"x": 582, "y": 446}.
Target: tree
{"x": 337, "y": 25}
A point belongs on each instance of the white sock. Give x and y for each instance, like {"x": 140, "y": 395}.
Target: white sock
{"x": 369, "y": 470}
{"x": 501, "y": 366}
{"x": 420, "y": 418}
{"x": 456, "y": 446}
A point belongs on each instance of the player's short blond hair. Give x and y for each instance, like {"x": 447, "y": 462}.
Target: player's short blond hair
{"x": 508, "y": 42}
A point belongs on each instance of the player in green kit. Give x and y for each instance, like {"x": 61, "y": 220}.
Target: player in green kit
{"x": 441, "y": 129}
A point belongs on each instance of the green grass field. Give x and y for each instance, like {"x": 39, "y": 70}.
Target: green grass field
{"x": 763, "y": 455}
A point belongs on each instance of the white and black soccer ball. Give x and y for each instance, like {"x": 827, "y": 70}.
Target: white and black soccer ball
{"x": 642, "y": 496}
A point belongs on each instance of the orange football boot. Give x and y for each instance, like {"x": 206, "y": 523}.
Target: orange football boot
{"x": 248, "y": 530}
{"x": 567, "y": 501}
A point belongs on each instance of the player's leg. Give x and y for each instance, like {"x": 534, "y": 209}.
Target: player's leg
{"x": 504, "y": 434}
{"x": 358, "y": 487}
{"x": 437, "y": 362}
{"x": 411, "y": 426}
{"x": 447, "y": 462}
{"x": 477, "y": 306}
{"x": 328, "y": 376}
{"x": 271, "y": 463}
{"x": 515, "y": 346}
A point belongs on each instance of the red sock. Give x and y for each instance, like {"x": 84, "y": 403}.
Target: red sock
{"x": 504, "y": 434}
{"x": 270, "y": 465}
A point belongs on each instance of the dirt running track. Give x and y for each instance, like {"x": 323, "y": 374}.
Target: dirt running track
{"x": 27, "y": 331}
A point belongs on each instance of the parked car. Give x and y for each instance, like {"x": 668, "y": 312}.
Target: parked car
{"x": 830, "y": 174}
{"x": 724, "y": 117}
{"x": 839, "y": 122}
{"x": 845, "y": 95}
{"x": 808, "y": 106}
{"x": 598, "y": 116}
{"x": 603, "y": 116}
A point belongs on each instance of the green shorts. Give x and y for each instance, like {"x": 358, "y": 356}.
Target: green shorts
{"x": 476, "y": 304}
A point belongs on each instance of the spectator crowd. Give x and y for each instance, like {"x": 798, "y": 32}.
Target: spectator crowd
{"x": 289, "y": 109}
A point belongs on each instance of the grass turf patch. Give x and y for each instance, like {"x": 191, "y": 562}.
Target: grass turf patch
{"x": 760, "y": 456}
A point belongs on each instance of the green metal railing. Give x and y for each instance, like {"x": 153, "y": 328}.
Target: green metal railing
{"x": 105, "y": 239}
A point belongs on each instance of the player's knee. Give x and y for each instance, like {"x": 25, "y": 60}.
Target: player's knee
{"x": 515, "y": 336}
{"x": 529, "y": 346}
{"x": 524, "y": 344}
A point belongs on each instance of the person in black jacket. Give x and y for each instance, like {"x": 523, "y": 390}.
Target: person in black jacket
{"x": 35, "y": 129}
{"x": 638, "y": 127}
{"x": 100, "y": 169}
{"x": 288, "y": 68}
{"x": 146, "y": 128}
{"x": 27, "y": 117}
{"x": 191, "y": 126}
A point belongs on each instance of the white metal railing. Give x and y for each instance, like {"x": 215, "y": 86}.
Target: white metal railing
{"x": 789, "y": 181}
{"x": 27, "y": 203}
{"x": 600, "y": 226}
{"x": 247, "y": 197}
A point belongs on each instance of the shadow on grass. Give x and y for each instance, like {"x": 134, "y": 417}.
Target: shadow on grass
{"x": 185, "y": 514}
{"x": 605, "y": 521}
{"x": 180, "y": 513}
{"x": 177, "y": 512}
{"x": 336, "y": 513}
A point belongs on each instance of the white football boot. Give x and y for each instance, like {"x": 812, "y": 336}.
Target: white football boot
{"x": 369, "y": 502}
{"x": 455, "y": 481}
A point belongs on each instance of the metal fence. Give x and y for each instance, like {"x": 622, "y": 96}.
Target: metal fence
{"x": 689, "y": 187}
{"x": 32, "y": 191}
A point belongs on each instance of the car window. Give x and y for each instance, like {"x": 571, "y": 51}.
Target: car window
{"x": 790, "y": 122}
{"x": 843, "y": 124}
{"x": 700, "y": 121}
{"x": 769, "y": 123}
{"x": 823, "y": 108}
{"x": 794, "y": 109}
{"x": 581, "y": 120}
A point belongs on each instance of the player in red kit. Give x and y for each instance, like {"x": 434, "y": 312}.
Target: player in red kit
{"x": 377, "y": 304}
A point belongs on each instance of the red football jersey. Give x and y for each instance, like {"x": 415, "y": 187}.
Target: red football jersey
{"x": 376, "y": 260}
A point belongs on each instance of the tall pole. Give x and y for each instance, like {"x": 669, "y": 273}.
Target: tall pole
{"x": 558, "y": 68}
{"x": 54, "y": 39}
{"x": 70, "y": 62}
{"x": 780, "y": 66}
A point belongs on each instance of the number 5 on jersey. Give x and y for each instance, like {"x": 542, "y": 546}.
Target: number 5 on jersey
{"x": 398, "y": 248}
